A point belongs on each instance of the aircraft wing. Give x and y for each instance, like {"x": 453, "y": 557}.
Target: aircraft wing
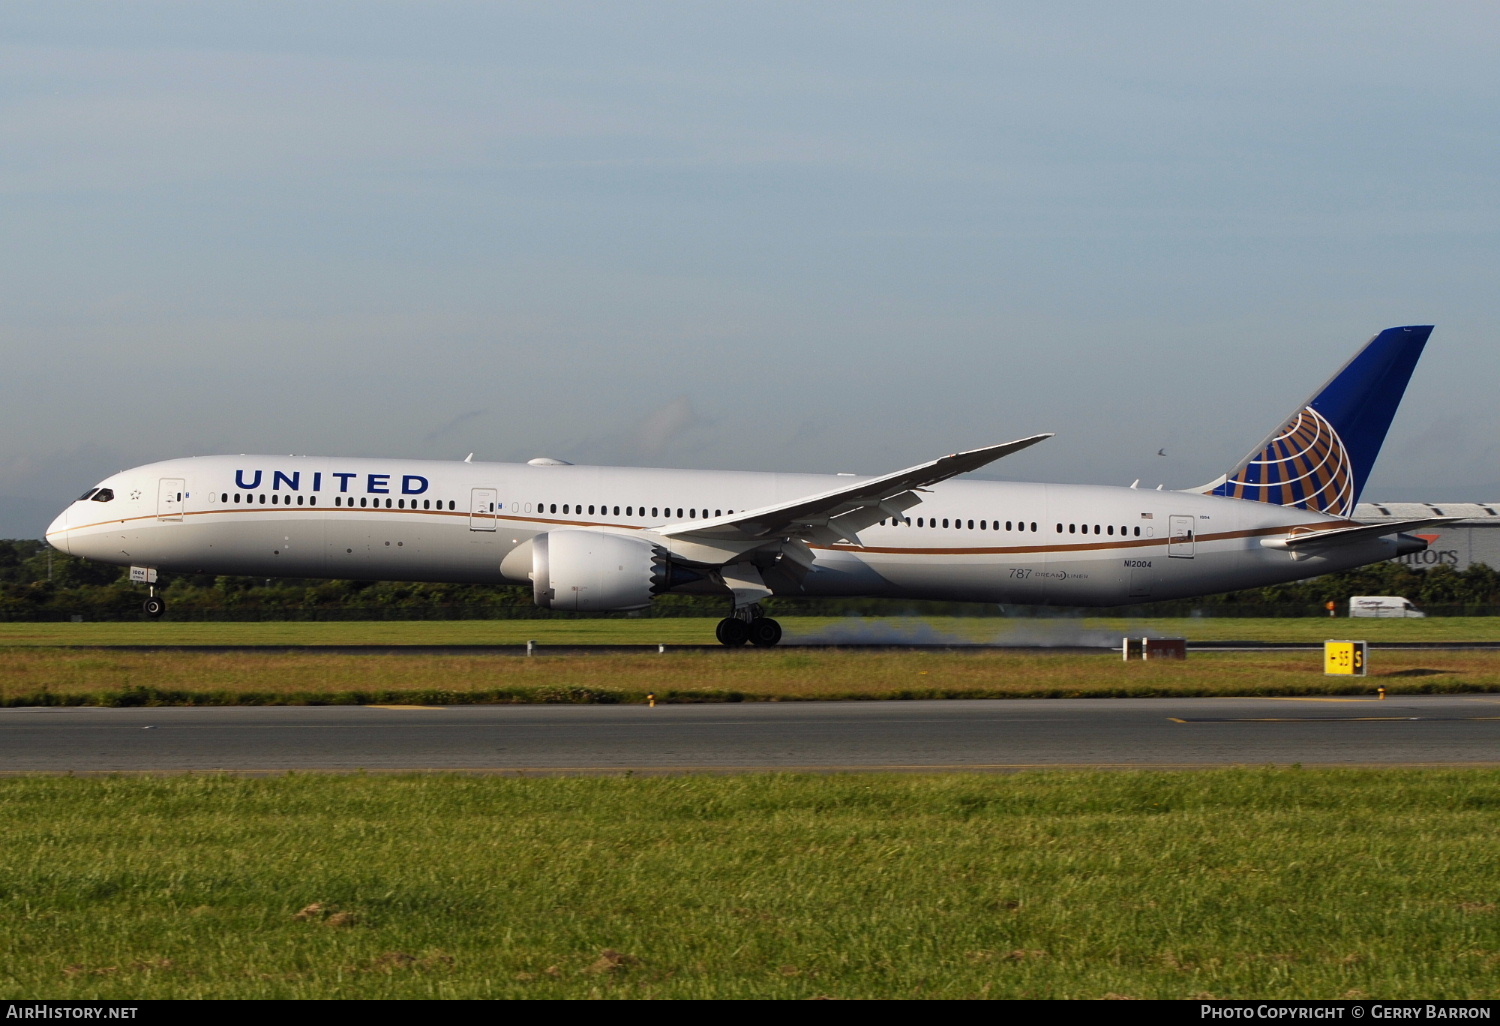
{"x": 1347, "y": 535}
{"x": 839, "y": 514}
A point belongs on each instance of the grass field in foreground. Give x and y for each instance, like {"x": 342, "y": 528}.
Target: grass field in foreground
{"x": 52, "y": 676}
{"x": 827, "y": 629}
{"x": 1289, "y": 883}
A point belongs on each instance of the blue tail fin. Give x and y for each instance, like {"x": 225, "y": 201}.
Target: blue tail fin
{"x": 1321, "y": 457}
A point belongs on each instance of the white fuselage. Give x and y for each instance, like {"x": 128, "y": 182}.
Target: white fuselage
{"x": 421, "y": 520}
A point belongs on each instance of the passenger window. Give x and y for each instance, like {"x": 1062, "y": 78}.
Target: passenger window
{"x": 717, "y": 513}
{"x": 919, "y": 521}
{"x": 1072, "y": 528}
{"x": 1111, "y": 529}
{"x": 653, "y": 511}
{"x": 362, "y": 502}
{"x": 945, "y": 521}
{"x": 617, "y": 511}
{"x": 1137, "y": 532}
{"x": 1059, "y": 528}
{"x": 554, "y": 507}
{"x": 679, "y": 513}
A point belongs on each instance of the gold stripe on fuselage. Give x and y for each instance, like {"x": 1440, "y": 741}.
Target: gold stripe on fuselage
{"x": 1119, "y": 543}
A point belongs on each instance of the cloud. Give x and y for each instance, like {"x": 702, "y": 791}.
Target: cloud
{"x": 668, "y": 430}
{"x": 452, "y": 425}
{"x": 661, "y": 427}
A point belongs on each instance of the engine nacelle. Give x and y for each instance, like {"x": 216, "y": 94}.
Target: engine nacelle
{"x": 582, "y": 570}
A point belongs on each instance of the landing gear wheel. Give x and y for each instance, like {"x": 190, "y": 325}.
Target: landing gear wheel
{"x": 732, "y": 631}
{"x": 764, "y": 632}
{"x": 153, "y": 607}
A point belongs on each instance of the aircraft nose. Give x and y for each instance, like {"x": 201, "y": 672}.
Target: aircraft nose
{"x": 57, "y": 532}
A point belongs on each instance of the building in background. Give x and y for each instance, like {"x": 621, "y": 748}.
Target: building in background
{"x": 1475, "y": 539}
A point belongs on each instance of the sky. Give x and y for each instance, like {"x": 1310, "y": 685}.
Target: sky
{"x": 828, "y": 237}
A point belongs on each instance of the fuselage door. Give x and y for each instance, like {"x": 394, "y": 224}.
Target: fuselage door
{"x": 482, "y": 511}
{"x": 1181, "y": 533}
{"x": 169, "y": 498}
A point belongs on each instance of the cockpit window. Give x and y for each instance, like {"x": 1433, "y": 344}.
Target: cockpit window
{"x": 86, "y": 496}
{"x": 104, "y": 495}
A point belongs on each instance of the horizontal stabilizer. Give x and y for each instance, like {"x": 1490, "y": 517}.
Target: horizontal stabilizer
{"x": 1350, "y": 535}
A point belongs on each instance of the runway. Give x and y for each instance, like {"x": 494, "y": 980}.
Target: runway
{"x": 819, "y": 736}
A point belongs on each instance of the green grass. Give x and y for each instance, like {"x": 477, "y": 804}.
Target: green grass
{"x": 1261, "y": 883}
{"x": 700, "y": 631}
{"x": 45, "y": 664}
{"x": 41, "y": 675}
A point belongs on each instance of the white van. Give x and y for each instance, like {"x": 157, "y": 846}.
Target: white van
{"x": 1382, "y": 605}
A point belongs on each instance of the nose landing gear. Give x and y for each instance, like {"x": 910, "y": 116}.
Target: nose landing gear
{"x": 748, "y": 625}
{"x": 153, "y": 607}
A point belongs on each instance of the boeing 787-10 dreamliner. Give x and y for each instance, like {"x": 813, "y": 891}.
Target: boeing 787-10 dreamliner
{"x": 614, "y": 538}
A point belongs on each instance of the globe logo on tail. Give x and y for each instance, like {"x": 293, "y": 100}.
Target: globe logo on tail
{"x": 1305, "y": 466}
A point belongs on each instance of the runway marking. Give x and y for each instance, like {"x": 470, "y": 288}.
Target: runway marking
{"x": 1336, "y": 719}
{"x": 437, "y": 708}
{"x": 1263, "y": 698}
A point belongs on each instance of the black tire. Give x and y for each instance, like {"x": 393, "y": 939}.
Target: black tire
{"x": 153, "y": 607}
{"x": 732, "y": 631}
{"x": 764, "y": 632}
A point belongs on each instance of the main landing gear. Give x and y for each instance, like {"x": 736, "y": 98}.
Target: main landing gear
{"x": 748, "y": 625}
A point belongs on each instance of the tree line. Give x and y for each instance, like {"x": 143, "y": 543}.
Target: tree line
{"x": 39, "y": 583}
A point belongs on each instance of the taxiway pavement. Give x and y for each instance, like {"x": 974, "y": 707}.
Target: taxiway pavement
{"x": 822, "y": 736}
